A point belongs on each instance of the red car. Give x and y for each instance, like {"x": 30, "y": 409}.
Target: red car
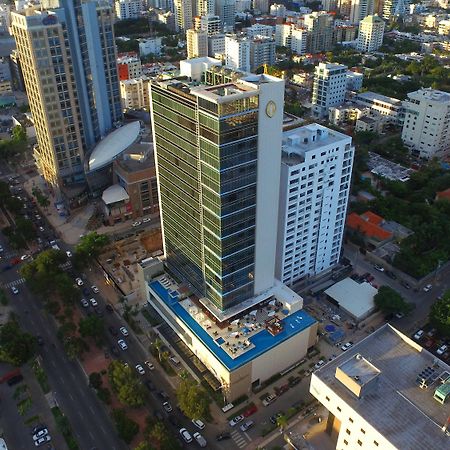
{"x": 250, "y": 411}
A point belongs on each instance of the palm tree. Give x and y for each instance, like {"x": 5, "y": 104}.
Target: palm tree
{"x": 282, "y": 422}
{"x": 184, "y": 375}
{"x": 158, "y": 344}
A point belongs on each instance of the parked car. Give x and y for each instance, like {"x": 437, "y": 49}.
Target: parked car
{"x": 24, "y": 257}
{"x": 269, "y": 399}
{"x": 442, "y": 349}
{"x": 200, "y": 439}
{"x": 124, "y": 331}
{"x": 43, "y": 440}
{"x": 405, "y": 284}
{"x": 149, "y": 365}
{"x": 427, "y": 288}
{"x": 93, "y": 302}
{"x": 186, "y": 435}
{"x": 14, "y": 290}
{"x": 38, "y": 428}
{"x": 136, "y": 224}
{"x": 95, "y": 289}
{"x": 146, "y": 219}
{"x": 319, "y": 364}
{"x": 247, "y": 425}
{"x": 79, "y": 281}
{"x": 167, "y": 407}
{"x": 140, "y": 370}
{"x": 235, "y": 420}
{"x": 69, "y": 254}
{"x": 84, "y": 303}
{"x": 198, "y": 423}
{"x": 122, "y": 344}
{"x": 346, "y": 346}
{"x": 379, "y": 268}
{"x": 418, "y": 335}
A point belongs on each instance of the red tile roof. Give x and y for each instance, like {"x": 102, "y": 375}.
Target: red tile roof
{"x": 443, "y": 195}
{"x": 369, "y": 225}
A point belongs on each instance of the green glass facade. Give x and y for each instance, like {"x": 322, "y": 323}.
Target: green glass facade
{"x": 207, "y": 166}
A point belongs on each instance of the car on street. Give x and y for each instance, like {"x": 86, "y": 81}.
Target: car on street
{"x": 79, "y": 281}
{"x": 223, "y": 436}
{"x": 442, "y": 349}
{"x": 247, "y": 425}
{"x": 40, "y": 433}
{"x": 140, "y": 370}
{"x": 319, "y": 364}
{"x": 379, "y": 268}
{"x": 186, "y": 435}
{"x": 200, "y": 439}
{"x": 14, "y": 290}
{"x": 149, "y": 365}
{"x": 346, "y": 346}
{"x": 69, "y": 253}
{"x": 418, "y": 335}
{"x": 24, "y": 257}
{"x": 113, "y": 330}
{"x": 235, "y": 420}
{"x": 124, "y": 331}
{"x": 146, "y": 219}
{"x": 43, "y": 440}
{"x": 122, "y": 344}
{"x": 38, "y": 428}
{"x": 84, "y": 303}
{"x": 391, "y": 274}
{"x": 427, "y": 288}
{"x": 136, "y": 224}
{"x": 167, "y": 407}
{"x": 93, "y": 302}
{"x": 399, "y": 315}
{"x": 94, "y": 289}
{"x": 269, "y": 399}
{"x": 198, "y": 423}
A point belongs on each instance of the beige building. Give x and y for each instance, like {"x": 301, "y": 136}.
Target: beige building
{"x": 370, "y": 35}
{"x": 320, "y": 31}
{"x": 134, "y": 93}
{"x": 197, "y": 43}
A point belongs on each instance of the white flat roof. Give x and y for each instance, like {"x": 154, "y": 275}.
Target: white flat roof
{"x": 114, "y": 193}
{"x": 113, "y": 145}
{"x": 355, "y": 298}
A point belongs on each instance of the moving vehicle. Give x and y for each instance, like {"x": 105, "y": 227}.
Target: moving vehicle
{"x": 319, "y": 364}
{"x": 186, "y": 435}
{"x": 14, "y": 290}
{"x": 427, "y": 288}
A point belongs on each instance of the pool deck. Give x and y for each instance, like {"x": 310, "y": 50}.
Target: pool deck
{"x": 242, "y": 340}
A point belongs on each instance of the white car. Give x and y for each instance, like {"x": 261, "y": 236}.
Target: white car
{"x": 319, "y": 364}
{"x": 379, "y": 268}
{"x": 186, "y": 435}
{"x": 235, "y": 420}
{"x": 41, "y": 229}
{"x": 442, "y": 349}
{"x": 346, "y": 346}
{"x": 149, "y": 365}
{"x": 94, "y": 289}
{"x": 14, "y": 290}
{"x": 167, "y": 406}
{"x": 269, "y": 399}
{"x": 69, "y": 254}
{"x": 43, "y": 440}
{"x": 84, "y": 303}
{"x": 146, "y": 219}
{"x": 427, "y": 288}
{"x": 136, "y": 224}
{"x": 418, "y": 335}
{"x": 140, "y": 369}
{"x": 41, "y": 433}
{"x": 198, "y": 423}
{"x": 24, "y": 257}
{"x": 201, "y": 441}
{"x": 124, "y": 331}
{"x": 93, "y": 302}
{"x": 122, "y": 344}
{"x": 79, "y": 281}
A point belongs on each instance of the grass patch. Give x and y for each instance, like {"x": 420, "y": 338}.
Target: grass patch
{"x": 24, "y": 406}
{"x": 41, "y": 376}
{"x": 32, "y": 420}
{"x": 64, "y": 427}
{"x": 241, "y": 411}
{"x": 153, "y": 321}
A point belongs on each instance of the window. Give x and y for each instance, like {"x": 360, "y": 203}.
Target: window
{"x": 345, "y": 442}
{"x": 339, "y": 409}
{"x": 359, "y": 443}
{"x": 376, "y": 443}
{"x": 348, "y": 431}
{"x": 362, "y": 431}
{"x": 328, "y": 398}
{"x": 351, "y": 420}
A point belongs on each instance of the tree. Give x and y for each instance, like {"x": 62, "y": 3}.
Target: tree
{"x": 282, "y": 422}
{"x": 95, "y": 380}
{"x": 390, "y": 301}
{"x": 158, "y": 345}
{"x": 144, "y": 446}
{"x": 126, "y": 427}
{"x": 90, "y": 247}
{"x": 125, "y": 384}
{"x": 158, "y": 431}
{"x": 92, "y": 326}
{"x": 74, "y": 347}
{"x": 440, "y": 315}
{"x": 193, "y": 400}
{"x": 16, "y": 346}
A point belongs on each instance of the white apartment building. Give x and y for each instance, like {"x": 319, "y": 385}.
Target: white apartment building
{"x": 388, "y": 107}
{"x": 216, "y": 45}
{"x": 278, "y": 10}
{"x": 354, "y": 81}
{"x": 128, "y": 9}
{"x": 259, "y": 30}
{"x": 370, "y": 35}
{"x": 316, "y": 168}
{"x": 360, "y": 9}
{"x": 385, "y": 393}
{"x": 197, "y": 43}
{"x": 211, "y": 24}
{"x": 444, "y": 27}
{"x": 129, "y": 67}
{"x": 427, "y": 123}
{"x": 150, "y": 46}
{"x": 329, "y": 88}
{"x": 292, "y": 36}
{"x": 134, "y": 93}
{"x": 205, "y": 7}
{"x": 5, "y": 17}
{"x": 262, "y": 51}
{"x": 237, "y": 52}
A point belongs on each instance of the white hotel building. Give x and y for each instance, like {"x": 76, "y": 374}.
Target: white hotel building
{"x": 316, "y": 169}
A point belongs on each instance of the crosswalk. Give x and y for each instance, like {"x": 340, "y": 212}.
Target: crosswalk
{"x": 14, "y": 283}
{"x": 238, "y": 439}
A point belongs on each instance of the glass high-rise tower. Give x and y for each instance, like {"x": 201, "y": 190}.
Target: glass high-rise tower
{"x": 218, "y": 164}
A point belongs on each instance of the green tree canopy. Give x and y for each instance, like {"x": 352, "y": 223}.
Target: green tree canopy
{"x": 89, "y": 247}
{"x": 125, "y": 384}
{"x": 390, "y": 301}
{"x": 92, "y": 326}
{"x": 193, "y": 400}
{"x": 16, "y": 346}
{"x": 440, "y": 315}
{"x": 126, "y": 427}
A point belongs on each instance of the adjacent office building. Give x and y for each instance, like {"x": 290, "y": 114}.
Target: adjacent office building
{"x": 209, "y": 23}
{"x": 316, "y": 167}
{"x": 68, "y": 60}
{"x": 389, "y": 108}
{"x": 226, "y": 10}
{"x": 329, "y": 88}
{"x": 220, "y": 294}
{"x": 426, "y": 127}
{"x": 129, "y": 9}
{"x": 370, "y": 35}
{"x": 197, "y": 43}
{"x": 387, "y": 392}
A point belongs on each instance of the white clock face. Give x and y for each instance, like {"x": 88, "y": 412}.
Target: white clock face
{"x": 271, "y": 108}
